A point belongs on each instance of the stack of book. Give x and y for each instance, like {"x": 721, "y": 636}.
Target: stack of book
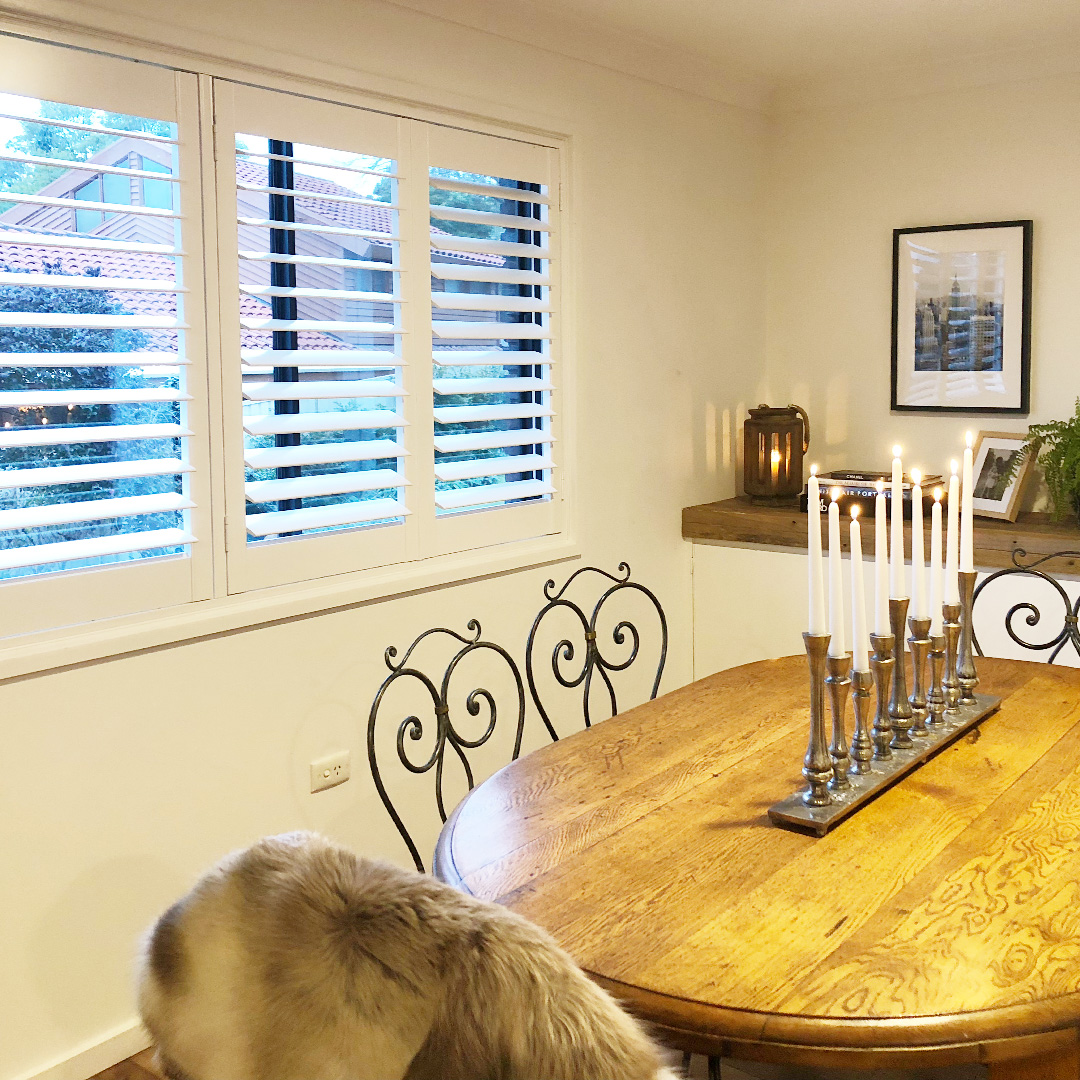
{"x": 858, "y": 489}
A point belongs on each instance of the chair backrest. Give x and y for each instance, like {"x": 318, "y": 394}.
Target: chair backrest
{"x": 1066, "y": 635}
{"x": 594, "y": 661}
{"x": 446, "y": 736}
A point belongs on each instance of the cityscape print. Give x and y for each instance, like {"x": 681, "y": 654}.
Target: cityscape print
{"x": 959, "y": 310}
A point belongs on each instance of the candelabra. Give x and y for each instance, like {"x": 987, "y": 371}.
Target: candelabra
{"x": 920, "y": 645}
{"x": 935, "y": 696}
{"x": 817, "y": 766}
{"x": 966, "y": 674}
{"x": 862, "y": 748}
{"x": 882, "y": 663}
{"x": 899, "y": 706}
{"x": 949, "y": 682}
{"x": 838, "y": 683}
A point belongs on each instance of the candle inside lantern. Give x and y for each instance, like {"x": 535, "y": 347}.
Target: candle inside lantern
{"x": 817, "y": 625}
{"x": 837, "y": 645}
{"x": 881, "y": 562}
{"x": 859, "y": 642}
{"x": 936, "y": 598}
{"x": 952, "y": 540}
{"x": 967, "y": 522}
{"x": 918, "y": 550}
{"x": 896, "y": 554}
{"x": 775, "y": 471}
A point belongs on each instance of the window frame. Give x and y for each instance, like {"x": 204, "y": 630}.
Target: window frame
{"x": 210, "y": 607}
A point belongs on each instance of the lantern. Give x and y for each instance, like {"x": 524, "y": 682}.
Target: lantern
{"x": 774, "y": 442}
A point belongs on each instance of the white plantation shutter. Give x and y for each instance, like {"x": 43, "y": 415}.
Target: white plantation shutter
{"x": 321, "y": 450}
{"x": 98, "y": 468}
{"x": 493, "y": 331}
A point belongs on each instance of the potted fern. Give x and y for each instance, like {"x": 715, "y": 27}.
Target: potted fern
{"x": 1056, "y": 446}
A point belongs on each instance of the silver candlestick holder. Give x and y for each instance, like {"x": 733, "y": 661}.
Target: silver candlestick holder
{"x": 935, "y": 696}
{"x": 882, "y": 663}
{"x": 950, "y": 684}
{"x": 919, "y": 642}
{"x": 817, "y": 765}
{"x": 862, "y": 748}
{"x": 838, "y": 683}
{"x": 966, "y": 674}
{"x": 899, "y": 706}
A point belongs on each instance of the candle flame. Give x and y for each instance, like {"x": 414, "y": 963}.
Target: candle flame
{"x": 854, "y": 512}
{"x": 970, "y": 440}
{"x": 916, "y": 477}
{"x": 880, "y": 485}
{"x": 834, "y": 493}
{"x": 813, "y": 470}
{"x": 937, "y": 494}
{"x": 954, "y": 465}
{"x": 896, "y": 450}
{"x": 775, "y": 457}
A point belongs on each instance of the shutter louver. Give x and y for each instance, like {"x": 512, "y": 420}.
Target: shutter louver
{"x": 491, "y": 324}
{"x": 320, "y": 333}
{"x": 93, "y": 413}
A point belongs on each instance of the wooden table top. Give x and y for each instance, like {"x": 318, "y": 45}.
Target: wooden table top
{"x": 940, "y": 924}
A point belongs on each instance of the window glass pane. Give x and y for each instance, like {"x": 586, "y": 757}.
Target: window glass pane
{"x": 156, "y": 192}
{"x": 92, "y": 414}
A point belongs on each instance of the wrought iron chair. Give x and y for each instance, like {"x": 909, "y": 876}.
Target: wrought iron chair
{"x": 1067, "y": 635}
{"x": 594, "y": 661}
{"x": 447, "y": 737}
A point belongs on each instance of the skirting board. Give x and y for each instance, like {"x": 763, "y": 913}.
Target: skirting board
{"x": 94, "y": 1057}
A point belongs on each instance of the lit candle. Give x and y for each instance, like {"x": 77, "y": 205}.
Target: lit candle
{"x": 935, "y": 565}
{"x": 859, "y": 641}
{"x": 775, "y": 459}
{"x": 817, "y": 582}
{"x": 918, "y": 550}
{"x": 896, "y": 554}
{"x": 967, "y": 522}
{"x": 952, "y": 540}
{"x": 881, "y": 562}
{"x": 837, "y": 645}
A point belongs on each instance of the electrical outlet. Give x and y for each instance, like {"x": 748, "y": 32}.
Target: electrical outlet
{"x": 330, "y": 771}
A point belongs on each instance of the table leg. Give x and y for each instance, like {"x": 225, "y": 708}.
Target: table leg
{"x": 1061, "y": 1065}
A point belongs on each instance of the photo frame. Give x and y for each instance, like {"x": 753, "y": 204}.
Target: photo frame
{"x": 961, "y": 318}
{"x": 997, "y": 479}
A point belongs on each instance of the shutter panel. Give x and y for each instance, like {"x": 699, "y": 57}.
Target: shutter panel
{"x": 491, "y": 328}
{"x": 93, "y": 405}
{"x": 320, "y": 338}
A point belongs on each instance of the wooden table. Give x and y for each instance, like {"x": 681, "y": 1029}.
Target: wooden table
{"x": 939, "y": 925}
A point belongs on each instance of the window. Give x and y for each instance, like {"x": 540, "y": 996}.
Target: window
{"x": 388, "y": 343}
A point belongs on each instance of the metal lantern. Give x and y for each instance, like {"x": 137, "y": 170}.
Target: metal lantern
{"x": 774, "y": 442}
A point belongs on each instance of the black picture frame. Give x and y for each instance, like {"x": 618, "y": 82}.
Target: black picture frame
{"x": 978, "y": 360}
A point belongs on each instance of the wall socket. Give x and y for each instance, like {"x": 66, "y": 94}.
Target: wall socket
{"x": 330, "y": 771}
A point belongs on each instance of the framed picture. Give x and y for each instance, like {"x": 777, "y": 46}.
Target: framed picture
{"x": 997, "y": 481}
{"x": 961, "y": 318}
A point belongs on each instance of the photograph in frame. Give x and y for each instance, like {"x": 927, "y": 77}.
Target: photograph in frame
{"x": 962, "y": 318}
{"x": 999, "y": 474}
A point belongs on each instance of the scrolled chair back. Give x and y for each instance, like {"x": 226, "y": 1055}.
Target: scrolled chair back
{"x": 447, "y": 738}
{"x": 596, "y": 660}
{"x": 1060, "y": 635}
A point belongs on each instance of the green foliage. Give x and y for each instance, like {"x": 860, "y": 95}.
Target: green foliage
{"x": 1056, "y": 445}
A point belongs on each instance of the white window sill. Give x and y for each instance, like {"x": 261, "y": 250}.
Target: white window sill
{"x": 71, "y": 645}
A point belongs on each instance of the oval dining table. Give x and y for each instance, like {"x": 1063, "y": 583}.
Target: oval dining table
{"x": 938, "y": 925}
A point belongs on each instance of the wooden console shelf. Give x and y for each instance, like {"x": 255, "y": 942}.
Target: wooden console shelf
{"x": 737, "y": 521}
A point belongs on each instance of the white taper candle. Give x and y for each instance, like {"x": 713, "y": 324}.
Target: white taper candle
{"x": 952, "y": 540}
{"x": 837, "y": 644}
{"x": 936, "y": 596}
{"x": 896, "y": 552}
{"x": 918, "y": 550}
{"x": 967, "y": 520}
{"x": 859, "y": 641}
{"x": 817, "y": 624}
{"x": 881, "y": 562}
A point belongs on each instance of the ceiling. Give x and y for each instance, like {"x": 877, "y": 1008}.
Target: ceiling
{"x": 782, "y": 45}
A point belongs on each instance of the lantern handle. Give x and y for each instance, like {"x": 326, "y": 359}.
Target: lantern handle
{"x": 806, "y": 425}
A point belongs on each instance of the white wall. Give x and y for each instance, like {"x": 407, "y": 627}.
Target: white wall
{"x": 123, "y": 779}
